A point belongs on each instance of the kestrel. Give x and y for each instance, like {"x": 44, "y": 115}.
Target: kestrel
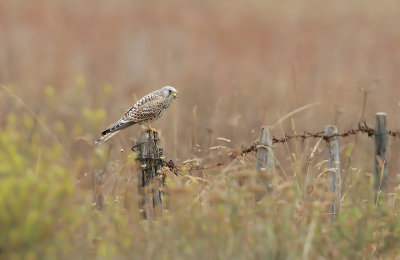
{"x": 148, "y": 109}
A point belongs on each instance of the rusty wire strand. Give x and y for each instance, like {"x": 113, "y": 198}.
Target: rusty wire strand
{"x": 362, "y": 128}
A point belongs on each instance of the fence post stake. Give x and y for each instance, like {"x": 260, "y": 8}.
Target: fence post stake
{"x": 149, "y": 156}
{"x": 380, "y": 158}
{"x": 335, "y": 179}
{"x": 265, "y": 155}
{"x": 98, "y": 182}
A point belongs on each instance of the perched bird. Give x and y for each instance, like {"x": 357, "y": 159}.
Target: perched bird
{"x": 148, "y": 109}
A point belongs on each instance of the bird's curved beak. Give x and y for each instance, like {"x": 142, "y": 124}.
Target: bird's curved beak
{"x": 174, "y": 95}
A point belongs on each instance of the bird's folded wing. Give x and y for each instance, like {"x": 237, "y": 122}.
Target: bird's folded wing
{"x": 144, "y": 111}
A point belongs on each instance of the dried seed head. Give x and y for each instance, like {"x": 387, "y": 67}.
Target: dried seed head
{"x": 223, "y": 139}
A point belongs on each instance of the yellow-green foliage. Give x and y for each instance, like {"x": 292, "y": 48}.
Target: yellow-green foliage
{"x": 38, "y": 217}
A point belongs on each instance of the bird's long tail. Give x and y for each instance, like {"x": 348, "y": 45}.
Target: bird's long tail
{"x": 105, "y": 137}
{"x": 113, "y": 130}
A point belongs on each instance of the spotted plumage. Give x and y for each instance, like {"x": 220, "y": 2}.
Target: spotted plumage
{"x": 145, "y": 111}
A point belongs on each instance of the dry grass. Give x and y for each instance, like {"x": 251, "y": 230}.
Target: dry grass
{"x": 71, "y": 67}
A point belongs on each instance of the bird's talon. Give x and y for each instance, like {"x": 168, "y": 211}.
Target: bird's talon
{"x": 149, "y": 128}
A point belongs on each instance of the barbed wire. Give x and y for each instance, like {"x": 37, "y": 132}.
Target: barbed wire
{"x": 362, "y": 128}
{"x": 176, "y": 169}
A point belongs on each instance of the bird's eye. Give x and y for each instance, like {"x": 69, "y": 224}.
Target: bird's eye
{"x": 170, "y": 91}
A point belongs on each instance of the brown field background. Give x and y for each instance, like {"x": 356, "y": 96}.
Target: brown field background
{"x": 236, "y": 64}
{"x": 68, "y": 69}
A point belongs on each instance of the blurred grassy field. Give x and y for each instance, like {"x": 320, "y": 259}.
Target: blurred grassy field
{"x": 68, "y": 69}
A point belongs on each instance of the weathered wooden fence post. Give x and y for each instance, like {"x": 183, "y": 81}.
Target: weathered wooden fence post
{"x": 265, "y": 155}
{"x": 381, "y": 160}
{"x": 335, "y": 179}
{"x": 149, "y": 155}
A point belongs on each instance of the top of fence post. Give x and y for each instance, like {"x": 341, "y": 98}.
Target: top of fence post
{"x": 265, "y": 156}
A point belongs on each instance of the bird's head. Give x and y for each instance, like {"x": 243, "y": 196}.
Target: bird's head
{"x": 168, "y": 92}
